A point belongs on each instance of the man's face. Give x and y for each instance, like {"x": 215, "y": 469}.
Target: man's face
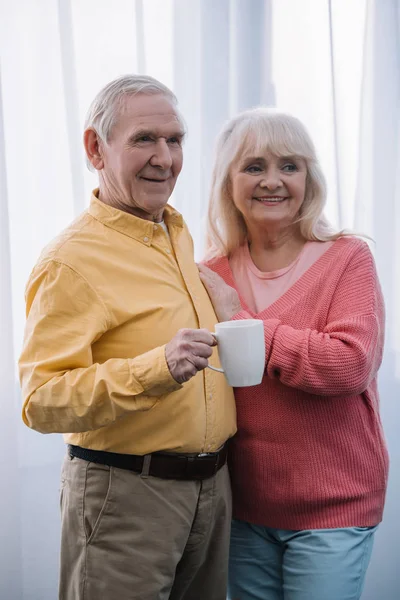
{"x": 143, "y": 157}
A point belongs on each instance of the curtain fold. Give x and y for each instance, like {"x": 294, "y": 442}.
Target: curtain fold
{"x": 10, "y": 547}
{"x": 334, "y": 64}
{"x": 71, "y": 107}
{"x": 377, "y": 208}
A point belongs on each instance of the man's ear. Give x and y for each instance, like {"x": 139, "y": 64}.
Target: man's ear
{"x": 93, "y": 148}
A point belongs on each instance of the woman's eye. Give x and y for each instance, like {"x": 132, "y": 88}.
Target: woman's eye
{"x": 289, "y": 168}
{"x": 253, "y": 169}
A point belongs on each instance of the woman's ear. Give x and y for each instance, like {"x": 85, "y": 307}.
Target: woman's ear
{"x": 308, "y": 194}
{"x": 228, "y": 186}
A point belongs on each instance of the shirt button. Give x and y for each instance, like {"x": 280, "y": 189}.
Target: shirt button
{"x": 155, "y": 226}
{"x": 168, "y": 251}
{"x": 146, "y": 239}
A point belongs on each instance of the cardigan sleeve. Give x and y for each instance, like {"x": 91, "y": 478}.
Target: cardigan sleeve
{"x": 345, "y": 356}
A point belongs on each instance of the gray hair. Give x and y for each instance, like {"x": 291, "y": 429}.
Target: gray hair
{"x": 103, "y": 111}
{"x": 256, "y": 131}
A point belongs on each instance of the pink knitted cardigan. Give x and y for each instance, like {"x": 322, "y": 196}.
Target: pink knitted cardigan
{"x": 310, "y": 452}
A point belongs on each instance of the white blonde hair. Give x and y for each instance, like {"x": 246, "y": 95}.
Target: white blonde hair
{"x": 257, "y": 131}
{"x": 105, "y": 107}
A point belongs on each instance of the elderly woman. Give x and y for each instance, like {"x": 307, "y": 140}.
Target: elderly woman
{"x": 309, "y": 462}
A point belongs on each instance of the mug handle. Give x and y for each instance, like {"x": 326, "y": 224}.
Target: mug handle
{"x": 215, "y": 369}
{"x": 209, "y": 366}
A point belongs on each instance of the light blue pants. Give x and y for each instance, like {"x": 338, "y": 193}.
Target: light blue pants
{"x": 315, "y": 564}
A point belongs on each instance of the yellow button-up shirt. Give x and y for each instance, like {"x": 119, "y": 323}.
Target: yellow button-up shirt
{"x": 103, "y": 300}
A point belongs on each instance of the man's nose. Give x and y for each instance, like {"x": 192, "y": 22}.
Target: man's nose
{"x": 162, "y": 156}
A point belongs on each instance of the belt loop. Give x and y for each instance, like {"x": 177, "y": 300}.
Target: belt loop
{"x": 189, "y": 464}
{"x": 70, "y": 455}
{"x": 146, "y": 466}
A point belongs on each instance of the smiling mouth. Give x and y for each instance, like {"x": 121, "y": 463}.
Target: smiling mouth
{"x": 271, "y": 199}
{"x": 155, "y": 180}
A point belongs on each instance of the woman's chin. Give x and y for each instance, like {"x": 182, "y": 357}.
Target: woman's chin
{"x": 273, "y": 218}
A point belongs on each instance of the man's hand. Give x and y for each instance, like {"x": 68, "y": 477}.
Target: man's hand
{"x": 187, "y": 353}
{"x": 224, "y": 298}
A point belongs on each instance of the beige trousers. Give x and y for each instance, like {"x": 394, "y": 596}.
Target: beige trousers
{"x": 127, "y": 537}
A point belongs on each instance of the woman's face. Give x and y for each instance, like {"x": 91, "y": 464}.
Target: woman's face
{"x": 268, "y": 190}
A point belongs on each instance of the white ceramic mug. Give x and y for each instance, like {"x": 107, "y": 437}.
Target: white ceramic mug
{"x": 241, "y": 350}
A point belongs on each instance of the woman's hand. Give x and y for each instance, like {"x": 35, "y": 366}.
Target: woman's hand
{"x": 223, "y": 297}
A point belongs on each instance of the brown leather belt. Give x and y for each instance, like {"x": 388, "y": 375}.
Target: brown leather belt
{"x": 159, "y": 464}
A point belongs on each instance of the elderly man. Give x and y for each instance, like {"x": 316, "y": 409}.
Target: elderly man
{"x": 116, "y": 345}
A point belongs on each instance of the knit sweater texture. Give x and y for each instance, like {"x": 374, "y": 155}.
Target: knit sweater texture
{"x": 310, "y": 451}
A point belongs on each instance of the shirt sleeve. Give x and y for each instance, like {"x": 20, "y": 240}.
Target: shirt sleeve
{"x": 63, "y": 389}
{"x": 345, "y": 356}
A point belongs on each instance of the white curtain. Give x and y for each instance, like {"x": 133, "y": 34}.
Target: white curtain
{"x": 335, "y": 64}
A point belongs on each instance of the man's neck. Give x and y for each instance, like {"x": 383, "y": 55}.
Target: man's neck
{"x": 111, "y": 200}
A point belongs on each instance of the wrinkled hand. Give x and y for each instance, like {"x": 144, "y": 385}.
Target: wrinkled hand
{"x": 224, "y": 298}
{"x": 187, "y": 353}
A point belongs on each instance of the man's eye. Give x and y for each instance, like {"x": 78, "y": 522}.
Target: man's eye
{"x": 145, "y": 138}
{"x": 174, "y": 141}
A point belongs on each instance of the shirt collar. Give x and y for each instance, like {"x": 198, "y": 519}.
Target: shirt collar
{"x": 127, "y": 224}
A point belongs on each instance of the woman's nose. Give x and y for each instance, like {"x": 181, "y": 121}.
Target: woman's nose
{"x": 271, "y": 179}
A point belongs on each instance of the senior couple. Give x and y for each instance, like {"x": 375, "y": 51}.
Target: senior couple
{"x": 116, "y": 346}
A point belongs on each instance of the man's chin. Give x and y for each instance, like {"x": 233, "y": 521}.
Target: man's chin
{"x": 155, "y": 207}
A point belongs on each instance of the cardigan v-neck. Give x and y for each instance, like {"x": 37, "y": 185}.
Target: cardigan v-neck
{"x": 260, "y": 289}
{"x": 222, "y": 267}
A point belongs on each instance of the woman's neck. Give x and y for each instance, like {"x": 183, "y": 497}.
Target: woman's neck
{"x": 274, "y": 251}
